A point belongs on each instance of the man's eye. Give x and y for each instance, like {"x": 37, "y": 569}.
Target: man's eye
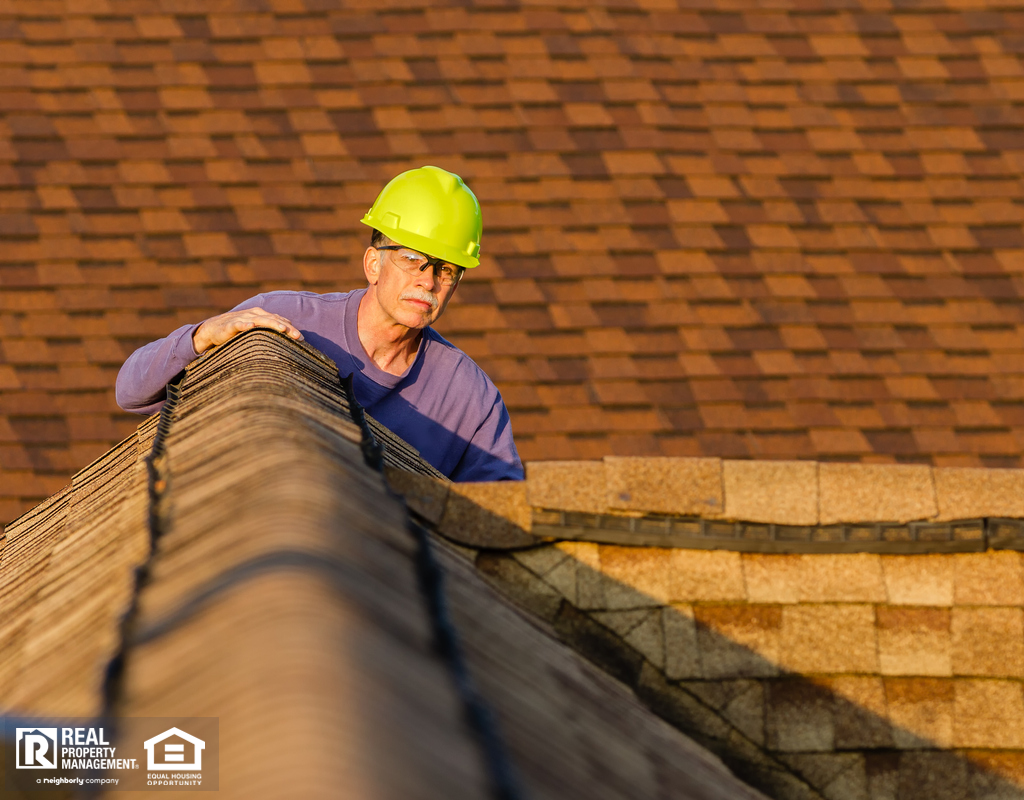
{"x": 447, "y": 272}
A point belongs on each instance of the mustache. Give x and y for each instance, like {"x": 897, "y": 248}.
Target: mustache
{"x": 419, "y": 294}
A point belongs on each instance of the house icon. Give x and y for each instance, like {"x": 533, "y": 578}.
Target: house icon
{"x": 168, "y": 751}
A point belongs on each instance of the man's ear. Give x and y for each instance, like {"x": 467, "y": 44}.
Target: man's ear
{"x": 372, "y": 263}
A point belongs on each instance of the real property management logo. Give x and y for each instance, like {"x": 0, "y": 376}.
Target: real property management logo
{"x": 37, "y": 748}
{"x": 67, "y": 748}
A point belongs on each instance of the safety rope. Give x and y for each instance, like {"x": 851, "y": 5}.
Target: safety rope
{"x": 113, "y": 673}
{"x": 504, "y": 782}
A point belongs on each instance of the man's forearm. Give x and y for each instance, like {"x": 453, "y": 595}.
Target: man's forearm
{"x": 142, "y": 381}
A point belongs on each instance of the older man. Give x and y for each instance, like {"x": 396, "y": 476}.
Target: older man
{"x": 426, "y": 233}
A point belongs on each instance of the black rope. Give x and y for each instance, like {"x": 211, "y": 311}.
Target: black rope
{"x": 373, "y": 451}
{"x": 113, "y": 673}
{"x": 504, "y": 782}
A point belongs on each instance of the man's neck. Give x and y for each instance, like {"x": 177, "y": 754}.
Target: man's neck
{"x": 389, "y": 344}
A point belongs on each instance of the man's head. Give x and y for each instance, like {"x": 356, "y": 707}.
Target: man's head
{"x": 426, "y": 233}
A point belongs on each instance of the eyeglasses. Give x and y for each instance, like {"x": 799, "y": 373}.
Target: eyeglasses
{"x": 411, "y": 261}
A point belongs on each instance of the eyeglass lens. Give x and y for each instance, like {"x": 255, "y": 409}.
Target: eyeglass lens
{"x": 410, "y": 261}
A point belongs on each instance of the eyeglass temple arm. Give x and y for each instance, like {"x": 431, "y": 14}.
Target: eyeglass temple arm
{"x": 433, "y": 263}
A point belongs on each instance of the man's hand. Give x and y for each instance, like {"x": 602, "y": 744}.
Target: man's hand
{"x": 217, "y": 330}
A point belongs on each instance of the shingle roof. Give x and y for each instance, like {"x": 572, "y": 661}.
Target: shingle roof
{"x": 724, "y": 230}
{"x": 282, "y": 592}
{"x": 865, "y": 675}
{"x": 747, "y": 505}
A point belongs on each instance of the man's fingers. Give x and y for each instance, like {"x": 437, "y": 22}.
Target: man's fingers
{"x": 287, "y": 330}
{"x": 265, "y": 319}
{"x": 286, "y": 327}
{"x": 218, "y": 330}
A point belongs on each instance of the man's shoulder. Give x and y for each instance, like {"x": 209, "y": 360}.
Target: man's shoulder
{"x": 441, "y": 348}
{"x": 300, "y": 297}
{"x": 303, "y": 307}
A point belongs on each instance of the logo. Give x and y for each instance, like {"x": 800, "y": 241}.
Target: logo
{"x": 37, "y": 748}
{"x": 174, "y": 750}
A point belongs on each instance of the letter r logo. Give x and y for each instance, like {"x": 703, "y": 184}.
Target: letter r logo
{"x": 37, "y": 748}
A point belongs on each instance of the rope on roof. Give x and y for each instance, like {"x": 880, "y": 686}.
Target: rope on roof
{"x": 504, "y": 782}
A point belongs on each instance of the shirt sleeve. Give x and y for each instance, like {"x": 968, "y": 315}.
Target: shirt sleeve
{"x": 142, "y": 381}
{"x": 491, "y": 454}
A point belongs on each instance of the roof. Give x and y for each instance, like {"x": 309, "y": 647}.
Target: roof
{"x": 623, "y": 649}
{"x": 750, "y": 505}
{"x": 255, "y": 569}
{"x": 727, "y": 230}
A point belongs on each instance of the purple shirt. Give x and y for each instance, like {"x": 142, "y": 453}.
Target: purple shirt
{"x": 443, "y": 405}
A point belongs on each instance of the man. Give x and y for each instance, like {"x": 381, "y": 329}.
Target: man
{"x": 426, "y": 233}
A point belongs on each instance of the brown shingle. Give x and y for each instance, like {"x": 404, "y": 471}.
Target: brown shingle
{"x": 665, "y": 485}
{"x": 914, "y": 641}
{"x": 990, "y": 711}
{"x": 868, "y": 492}
{"x": 783, "y": 492}
{"x": 919, "y": 580}
{"x": 569, "y": 485}
{"x": 829, "y": 638}
{"x": 487, "y": 515}
{"x": 921, "y": 708}
{"x": 997, "y": 580}
{"x": 963, "y": 493}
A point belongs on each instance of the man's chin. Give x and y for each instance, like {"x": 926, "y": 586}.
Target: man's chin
{"x": 418, "y": 321}
{"x": 422, "y": 312}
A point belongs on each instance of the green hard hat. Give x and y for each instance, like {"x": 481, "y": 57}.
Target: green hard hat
{"x": 431, "y": 210}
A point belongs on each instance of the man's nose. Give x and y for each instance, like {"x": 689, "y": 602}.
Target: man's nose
{"x": 427, "y": 278}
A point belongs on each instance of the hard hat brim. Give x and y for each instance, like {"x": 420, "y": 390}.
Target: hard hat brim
{"x": 421, "y": 243}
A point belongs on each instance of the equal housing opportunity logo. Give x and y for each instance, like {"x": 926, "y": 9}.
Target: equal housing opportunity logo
{"x": 143, "y": 754}
{"x": 167, "y": 751}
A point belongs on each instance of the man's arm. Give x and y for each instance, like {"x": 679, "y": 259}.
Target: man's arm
{"x": 142, "y": 382}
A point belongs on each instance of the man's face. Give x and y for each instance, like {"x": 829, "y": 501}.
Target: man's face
{"x": 408, "y": 295}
